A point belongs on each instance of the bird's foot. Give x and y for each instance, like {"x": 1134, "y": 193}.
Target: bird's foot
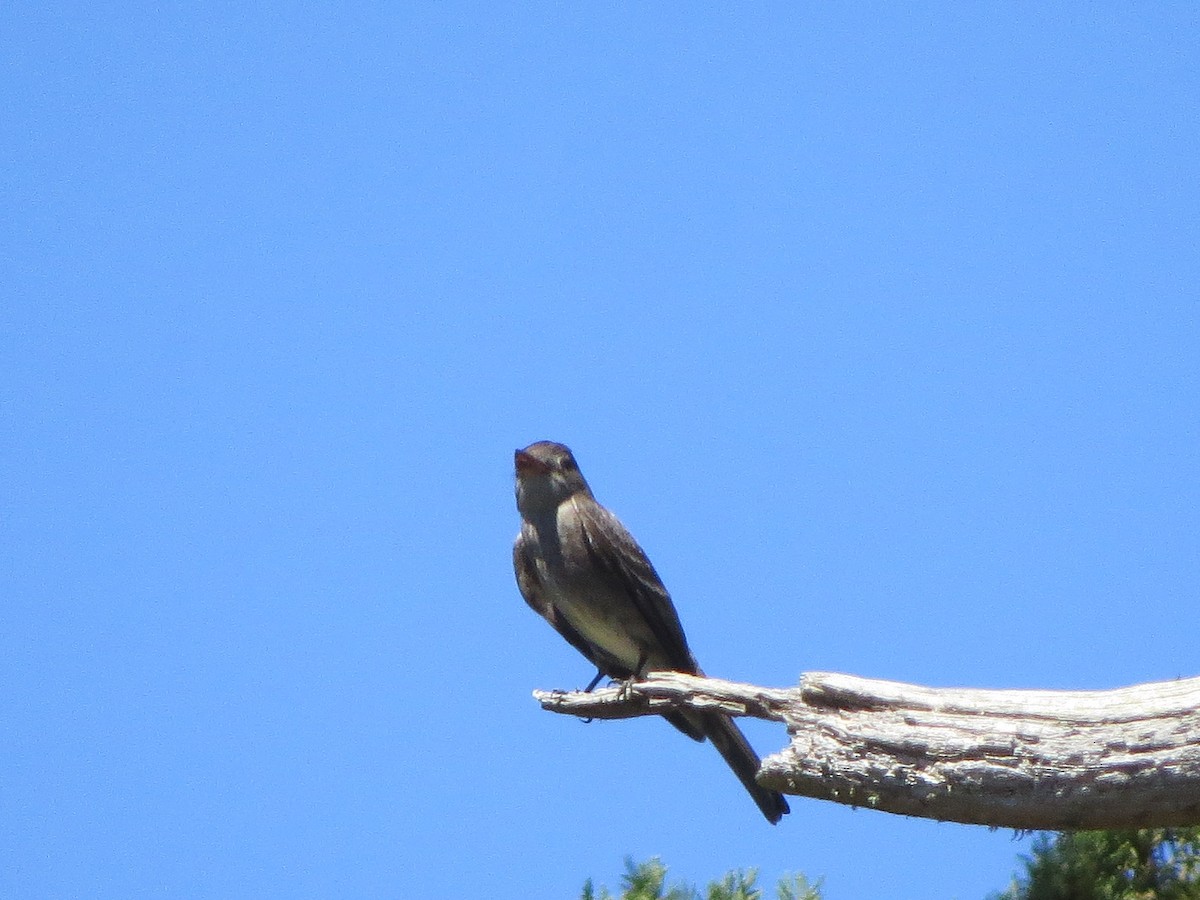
{"x": 626, "y": 686}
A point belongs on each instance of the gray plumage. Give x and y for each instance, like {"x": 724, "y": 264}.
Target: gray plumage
{"x": 580, "y": 569}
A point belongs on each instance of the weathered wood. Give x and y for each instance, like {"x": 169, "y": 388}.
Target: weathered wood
{"x": 1127, "y": 758}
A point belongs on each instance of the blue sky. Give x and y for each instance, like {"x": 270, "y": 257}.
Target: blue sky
{"x": 879, "y": 327}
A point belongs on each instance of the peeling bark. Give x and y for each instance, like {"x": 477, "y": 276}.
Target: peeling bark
{"x": 1061, "y": 760}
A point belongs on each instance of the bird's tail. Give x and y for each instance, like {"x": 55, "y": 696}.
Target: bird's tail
{"x": 737, "y": 752}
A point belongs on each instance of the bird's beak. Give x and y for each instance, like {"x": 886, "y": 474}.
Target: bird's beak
{"x": 528, "y": 464}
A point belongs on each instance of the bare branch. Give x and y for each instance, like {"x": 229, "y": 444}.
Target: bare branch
{"x": 1127, "y": 758}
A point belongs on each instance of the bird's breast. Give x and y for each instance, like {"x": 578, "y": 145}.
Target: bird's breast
{"x": 588, "y": 596}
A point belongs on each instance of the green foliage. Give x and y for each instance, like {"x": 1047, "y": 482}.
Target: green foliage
{"x": 737, "y": 885}
{"x": 647, "y": 881}
{"x": 797, "y": 887}
{"x": 1151, "y": 864}
{"x": 642, "y": 881}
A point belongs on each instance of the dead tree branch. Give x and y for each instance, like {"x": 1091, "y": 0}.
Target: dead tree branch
{"x": 1061, "y": 760}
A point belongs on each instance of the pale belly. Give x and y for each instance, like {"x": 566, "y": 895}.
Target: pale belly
{"x": 598, "y": 623}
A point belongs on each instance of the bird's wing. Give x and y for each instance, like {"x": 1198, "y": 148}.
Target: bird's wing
{"x": 614, "y": 551}
{"x": 535, "y": 596}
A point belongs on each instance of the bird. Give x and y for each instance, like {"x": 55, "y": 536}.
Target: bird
{"x": 582, "y": 571}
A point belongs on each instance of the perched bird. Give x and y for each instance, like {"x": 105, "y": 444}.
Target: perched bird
{"x": 583, "y": 572}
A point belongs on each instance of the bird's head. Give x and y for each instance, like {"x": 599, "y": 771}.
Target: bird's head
{"x": 547, "y": 474}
